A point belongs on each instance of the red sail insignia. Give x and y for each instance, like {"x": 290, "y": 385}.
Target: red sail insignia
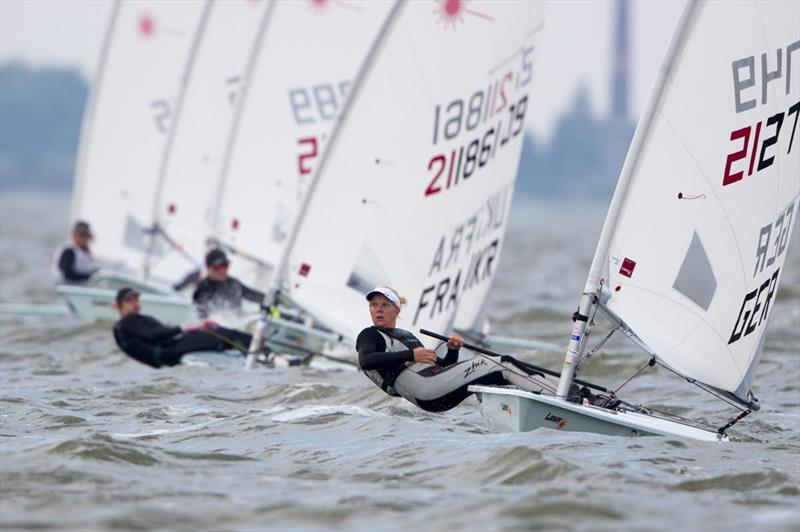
{"x": 627, "y": 267}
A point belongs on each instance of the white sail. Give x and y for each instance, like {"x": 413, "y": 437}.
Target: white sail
{"x": 698, "y": 229}
{"x": 415, "y": 187}
{"x": 309, "y": 53}
{"x": 126, "y": 123}
{"x": 188, "y": 201}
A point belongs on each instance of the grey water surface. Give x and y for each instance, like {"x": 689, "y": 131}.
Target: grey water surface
{"x": 90, "y": 440}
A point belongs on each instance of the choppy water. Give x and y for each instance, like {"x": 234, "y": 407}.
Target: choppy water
{"x": 90, "y": 440}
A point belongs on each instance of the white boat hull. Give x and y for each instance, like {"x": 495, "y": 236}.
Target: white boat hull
{"x": 235, "y": 359}
{"x": 513, "y": 410}
{"x": 94, "y": 301}
{"x": 33, "y": 309}
{"x": 284, "y": 335}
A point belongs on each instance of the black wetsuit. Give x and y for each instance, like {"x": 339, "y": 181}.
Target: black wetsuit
{"x": 434, "y": 388}
{"x": 147, "y": 340}
{"x": 225, "y": 296}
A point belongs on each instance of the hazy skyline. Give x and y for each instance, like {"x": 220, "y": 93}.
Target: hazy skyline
{"x": 576, "y": 46}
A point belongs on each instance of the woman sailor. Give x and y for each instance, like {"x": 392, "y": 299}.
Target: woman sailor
{"x": 396, "y": 361}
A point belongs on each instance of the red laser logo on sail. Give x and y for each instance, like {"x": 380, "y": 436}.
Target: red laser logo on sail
{"x": 451, "y": 12}
{"x": 146, "y": 25}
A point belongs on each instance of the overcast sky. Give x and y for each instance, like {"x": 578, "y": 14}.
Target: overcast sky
{"x": 575, "y": 50}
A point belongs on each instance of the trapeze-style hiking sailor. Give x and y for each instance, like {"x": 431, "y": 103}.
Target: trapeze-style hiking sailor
{"x": 72, "y": 261}
{"x": 219, "y": 292}
{"x": 397, "y": 362}
{"x": 150, "y": 342}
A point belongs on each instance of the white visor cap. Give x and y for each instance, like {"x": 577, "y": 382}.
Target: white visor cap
{"x": 387, "y": 292}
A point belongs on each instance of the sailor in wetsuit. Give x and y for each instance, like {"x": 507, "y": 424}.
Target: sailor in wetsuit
{"x": 219, "y": 292}
{"x": 401, "y": 366}
{"x": 147, "y": 340}
{"x": 73, "y": 262}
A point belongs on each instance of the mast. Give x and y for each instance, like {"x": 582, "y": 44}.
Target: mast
{"x": 240, "y": 101}
{"x": 88, "y": 119}
{"x": 187, "y": 74}
{"x": 366, "y": 65}
{"x": 592, "y": 286}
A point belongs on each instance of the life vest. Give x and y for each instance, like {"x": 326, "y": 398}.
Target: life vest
{"x": 392, "y": 345}
{"x": 84, "y": 263}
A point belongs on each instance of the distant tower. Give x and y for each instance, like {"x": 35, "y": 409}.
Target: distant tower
{"x": 619, "y": 95}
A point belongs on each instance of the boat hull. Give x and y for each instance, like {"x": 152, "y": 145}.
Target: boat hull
{"x": 95, "y": 301}
{"x": 290, "y": 336}
{"x": 235, "y": 359}
{"x": 513, "y": 410}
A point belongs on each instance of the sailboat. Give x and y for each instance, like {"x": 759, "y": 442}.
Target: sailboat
{"x": 298, "y": 79}
{"x": 191, "y": 173}
{"x": 232, "y": 158}
{"x": 414, "y": 187}
{"x": 691, "y": 254}
{"x": 126, "y": 126}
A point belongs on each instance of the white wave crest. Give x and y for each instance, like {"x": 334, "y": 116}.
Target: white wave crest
{"x": 314, "y": 411}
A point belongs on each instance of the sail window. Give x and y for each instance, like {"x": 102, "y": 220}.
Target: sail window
{"x": 695, "y": 279}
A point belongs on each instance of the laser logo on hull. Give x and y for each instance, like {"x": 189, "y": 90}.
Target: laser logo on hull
{"x": 560, "y": 422}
